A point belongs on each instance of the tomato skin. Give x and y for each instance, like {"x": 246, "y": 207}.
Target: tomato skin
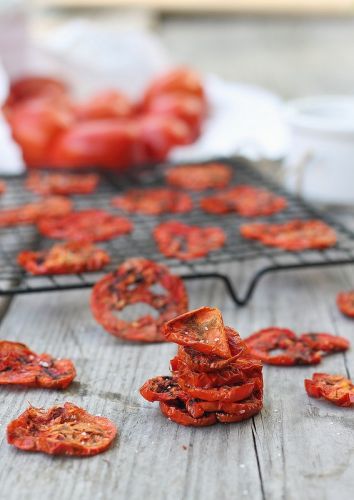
{"x": 175, "y": 411}
{"x": 334, "y": 388}
{"x": 104, "y": 105}
{"x": 111, "y": 144}
{"x": 345, "y": 303}
{"x": 177, "y": 81}
{"x": 61, "y": 430}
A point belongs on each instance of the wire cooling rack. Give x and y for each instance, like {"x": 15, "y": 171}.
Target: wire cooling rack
{"x": 14, "y": 280}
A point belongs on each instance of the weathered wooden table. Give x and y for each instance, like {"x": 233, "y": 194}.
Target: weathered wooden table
{"x": 296, "y": 448}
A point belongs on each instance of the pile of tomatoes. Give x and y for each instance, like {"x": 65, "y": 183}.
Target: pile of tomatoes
{"x": 108, "y": 130}
{"x": 214, "y": 378}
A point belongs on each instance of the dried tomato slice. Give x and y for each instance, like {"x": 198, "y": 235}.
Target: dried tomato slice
{"x": 162, "y": 389}
{"x": 176, "y": 411}
{"x": 248, "y": 201}
{"x": 20, "y": 366}
{"x": 186, "y": 242}
{"x": 295, "y": 352}
{"x": 153, "y": 201}
{"x": 86, "y": 225}
{"x": 200, "y": 177}
{"x": 62, "y": 184}
{"x": 66, "y": 258}
{"x": 202, "y": 329}
{"x": 325, "y": 342}
{"x": 61, "y": 430}
{"x": 294, "y": 235}
{"x": 248, "y": 407}
{"x": 228, "y": 418}
{"x": 53, "y": 206}
{"x": 229, "y": 394}
{"x": 130, "y": 284}
{"x": 2, "y": 187}
{"x": 345, "y": 303}
{"x": 335, "y": 388}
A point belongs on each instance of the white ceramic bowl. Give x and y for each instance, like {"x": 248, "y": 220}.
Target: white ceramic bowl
{"x": 320, "y": 162}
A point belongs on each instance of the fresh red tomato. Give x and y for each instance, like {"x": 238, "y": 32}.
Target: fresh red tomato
{"x": 105, "y": 105}
{"x": 99, "y": 143}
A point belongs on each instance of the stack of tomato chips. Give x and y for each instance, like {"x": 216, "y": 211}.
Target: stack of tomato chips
{"x": 214, "y": 378}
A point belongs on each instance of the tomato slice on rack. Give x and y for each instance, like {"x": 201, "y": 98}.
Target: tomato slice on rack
{"x": 176, "y": 411}
{"x": 185, "y": 242}
{"x": 154, "y": 201}
{"x": 325, "y": 342}
{"x": 62, "y": 184}
{"x": 200, "y": 177}
{"x": 335, "y": 388}
{"x": 86, "y": 226}
{"x": 294, "y": 235}
{"x": 66, "y": 258}
{"x": 202, "y": 329}
{"x": 20, "y": 366}
{"x": 345, "y": 303}
{"x": 133, "y": 283}
{"x": 162, "y": 389}
{"x": 31, "y": 213}
{"x": 2, "y": 187}
{"x": 61, "y": 430}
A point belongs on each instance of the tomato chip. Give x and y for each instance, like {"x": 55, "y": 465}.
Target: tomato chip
{"x": 335, "y": 388}
{"x": 202, "y": 329}
{"x": 131, "y": 284}
{"x": 325, "y": 342}
{"x": 247, "y": 408}
{"x": 2, "y": 187}
{"x": 295, "y": 235}
{"x": 345, "y": 303}
{"x": 228, "y": 394}
{"x": 61, "y": 430}
{"x": 86, "y": 225}
{"x": 153, "y": 201}
{"x": 176, "y": 411}
{"x": 53, "y": 206}
{"x": 65, "y": 258}
{"x": 248, "y": 201}
{"x": 62, "y": 184}
{"x": 228, "y": 418}
{"x": 162, "y": 389}
{"x": 200, "y": 177}
{"x": 185, "y": 242}
{"x": 20, "y": 366}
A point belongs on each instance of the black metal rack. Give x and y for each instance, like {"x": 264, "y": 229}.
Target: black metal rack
{"x": 14, "y": 280}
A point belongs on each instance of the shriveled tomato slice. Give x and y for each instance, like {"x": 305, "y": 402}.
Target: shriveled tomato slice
{"x": 61, "y": 430}
{"x": 132, "y": 283}
{"x": 186, "y": 242}
{"x": 53, "y": 206}
{"x": 247, "y": 408}
{"x": 176, "y": 411}
{"x": 162, "y": 389}
{"x": 345, "y": 303}
{"x": 85, "y": 226}
{"x": 66, "y": 258}
{"x": 325, "y": 342}
{"x": 335, "y": 388}
{"x": 199, "y": 177}
{"x": 20, "y": 366}
{"x": 202, "y": 329}
{"x": 62, "y": 184}
{"x": 228, "y": 418}
{"x": 229, "y": 394}
{"x": 103, "y": 105}
{"x": 153, "y": 201}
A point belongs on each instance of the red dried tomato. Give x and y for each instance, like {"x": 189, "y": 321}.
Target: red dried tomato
{"x": 63, "y": 184}
{"x": 345, "y": 303}
{"x": 325, "y": 342}
{"x": 34, "y": 86}
{"x": 200, "y": 177}
{"x": 153, "y": 201}
{"x": 53, "y": 206}
{"x": 295, "y": 235}
{"x": 20, "y": 366}
{"x": 228, "y": 394}
{"x": 162, "y": 389}
{"x": 185, "y": 242}
{"x": 245, "y": 200}
{"x": 86, "y": 225}
{"x": 130, "y": 284}
{"x": 335, "y": 388}
{"x": 66, "y": 258}
{"x": 247, "y": 408}
{"x": 202, "y": 329}
{"x": 104, "y": 105}
{"x": 228, "y": 418}
{"x": 2, "y": 187}
{"x": 61, "y": 430}
{"x": 176, "y": 411}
